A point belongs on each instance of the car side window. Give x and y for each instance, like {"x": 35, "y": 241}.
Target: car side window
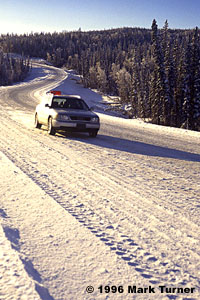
{"x": 57, "y": 102}
{"x": 54, "y": 104}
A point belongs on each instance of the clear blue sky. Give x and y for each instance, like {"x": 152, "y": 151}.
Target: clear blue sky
{"x": 24, "y": 16}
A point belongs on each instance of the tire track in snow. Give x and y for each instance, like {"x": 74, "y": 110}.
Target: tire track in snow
{"x": 124, "y": 246}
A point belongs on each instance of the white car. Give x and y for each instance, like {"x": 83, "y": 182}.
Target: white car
{"x": 66, "y": 113}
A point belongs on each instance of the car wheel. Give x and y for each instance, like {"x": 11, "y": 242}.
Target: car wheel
{"x": 50, "y": 130}
{"x": 93, "y": 133}
{"x": 37, "y": 124}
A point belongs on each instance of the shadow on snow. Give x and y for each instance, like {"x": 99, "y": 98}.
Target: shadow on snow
{"x": 134, "y": 147}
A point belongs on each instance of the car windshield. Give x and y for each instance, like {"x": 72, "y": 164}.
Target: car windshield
{"x": 69, "y": 103}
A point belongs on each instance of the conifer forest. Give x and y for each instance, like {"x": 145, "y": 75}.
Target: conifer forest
{"x": 12, "y": 69}
{"x": 156, "y": 71}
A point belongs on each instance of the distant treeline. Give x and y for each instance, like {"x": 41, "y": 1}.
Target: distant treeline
{"x": 156, "y": 71}
{"x": 12, "y": 69}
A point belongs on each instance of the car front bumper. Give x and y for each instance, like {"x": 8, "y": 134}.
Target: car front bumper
{"x": 75, "y": 126}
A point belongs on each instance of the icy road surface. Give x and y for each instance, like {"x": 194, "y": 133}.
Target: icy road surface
{"x": 119, "y": 210}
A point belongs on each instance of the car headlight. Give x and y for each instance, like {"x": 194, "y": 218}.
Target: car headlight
{"x": 63, "y": 117}
{"x": 95, "y": 120}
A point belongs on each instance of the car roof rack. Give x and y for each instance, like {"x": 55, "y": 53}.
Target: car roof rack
{"x": 69, "y": 96}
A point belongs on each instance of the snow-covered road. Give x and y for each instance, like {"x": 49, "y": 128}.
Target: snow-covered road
{"x": 119, "y": 210}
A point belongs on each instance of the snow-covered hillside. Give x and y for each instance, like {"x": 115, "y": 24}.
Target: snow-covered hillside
{"x": 121, "y": 210}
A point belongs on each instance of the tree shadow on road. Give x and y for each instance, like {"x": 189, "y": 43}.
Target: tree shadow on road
{"x": 134, "y": 147}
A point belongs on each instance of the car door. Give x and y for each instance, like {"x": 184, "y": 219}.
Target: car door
{"x": 45, "y": 111}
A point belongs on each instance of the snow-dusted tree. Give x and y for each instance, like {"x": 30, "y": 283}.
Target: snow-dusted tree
{"x": 92, "y": 78}
{"x": 144, "y": 107}
{"x": 113, "y": 78}
{"x": 3, "y": 76}
{"x": 12, "y": 69}
{"x": 169, "y": 76}
{"x": 157, "y": 85}
{"x": 49, "y": 58}
{"x": 191, "y": 106}
{"x": 179, "y": 77}
{"x": 196, "y": 115}
{"x": 124, "y": 84}
{"x": 197, "y": 101}
{"x": 97, "y": 78}
{"x": 136, "y": 89}
{"x": 101, "y": 78}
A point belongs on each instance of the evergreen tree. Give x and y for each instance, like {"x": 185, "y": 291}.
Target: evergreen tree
{"x": 179, "y": 76}
{"x": 191, "y": 106}
{"x": 136, "y": 91}
{"x": 157, "y": 89}
{"x": 144, "y": 104}
{"x": 196, "y": 115}
{"x": 169, "y": 76}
